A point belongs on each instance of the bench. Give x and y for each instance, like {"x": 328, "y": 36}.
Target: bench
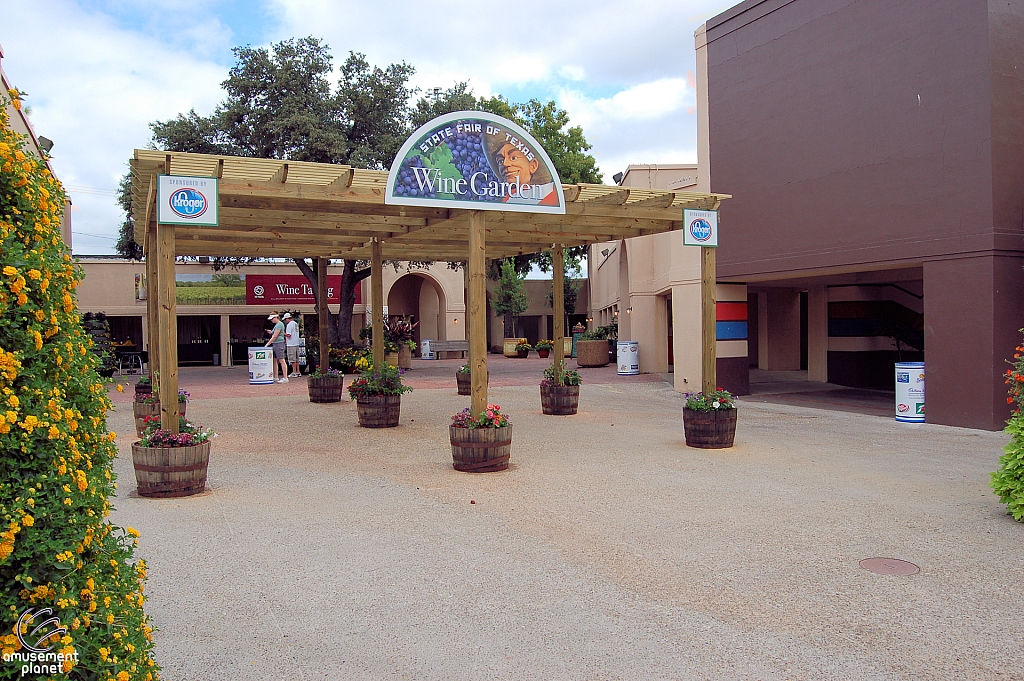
{"x": 439, "y": 346}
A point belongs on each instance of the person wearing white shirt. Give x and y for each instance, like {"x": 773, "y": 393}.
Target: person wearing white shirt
{"x": 291, "y": 341}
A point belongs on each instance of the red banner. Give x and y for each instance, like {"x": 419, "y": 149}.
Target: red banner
{"x": 290, "y": 289}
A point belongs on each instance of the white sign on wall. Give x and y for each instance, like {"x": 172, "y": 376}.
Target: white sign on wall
{"x": 700, "y": 227}
{"x": 186, "y": 200}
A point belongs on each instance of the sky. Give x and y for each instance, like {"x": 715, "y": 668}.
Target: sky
{"x": 98, "y": 72}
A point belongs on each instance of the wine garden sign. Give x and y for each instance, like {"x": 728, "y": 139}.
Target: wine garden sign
{"x": 474, "y": 160}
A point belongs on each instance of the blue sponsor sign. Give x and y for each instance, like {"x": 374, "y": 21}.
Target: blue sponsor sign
{"x": 187, "y": 200}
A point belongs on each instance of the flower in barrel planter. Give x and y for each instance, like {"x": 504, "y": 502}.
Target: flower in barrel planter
{"x": 378, "y": 394}
{"x": 171, "y": 464}
{"x": 325, "y": 385}
{"x": 560, "y": 390}
{"x": 464, "y": 381}
{"x": 481, "y": 444}
{"x": 709, "y": 421}
{"x": 544, "y": 347}
{"x": 523, "y": 349}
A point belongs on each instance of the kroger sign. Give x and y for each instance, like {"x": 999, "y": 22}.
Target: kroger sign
{"x": 187, "y": 200}
{"x": 700, "y": 227}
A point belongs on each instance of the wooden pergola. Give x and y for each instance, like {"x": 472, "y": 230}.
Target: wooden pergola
{"x": 289, "y": 209}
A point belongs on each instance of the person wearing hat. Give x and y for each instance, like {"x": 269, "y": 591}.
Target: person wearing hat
{"x": 277, "y": 341}
{"x": 291, "y": 343}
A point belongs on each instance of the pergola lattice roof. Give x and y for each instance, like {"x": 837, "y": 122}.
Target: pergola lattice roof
{"x": 276, "y": 208}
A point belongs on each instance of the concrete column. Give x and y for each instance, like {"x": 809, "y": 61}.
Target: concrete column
{"x": 817, "y": 334}
{"x": 972, "y": 312}
{"x": 780, "y": 329}
{"x": 225, "y": 340}
{"x": 686, "y": 336}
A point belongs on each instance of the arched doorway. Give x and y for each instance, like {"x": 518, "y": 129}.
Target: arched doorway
{"x": 418, "y": 297}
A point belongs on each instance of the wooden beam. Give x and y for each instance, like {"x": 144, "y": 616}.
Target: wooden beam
{"x": 614, "y": 198}
{"x": 709, "y": 350}
{"x": 167, "y": 321}
{"x": 323, "y": 312}
{"x": 344, "y": 180}
{"x": 377, "y": 300}
{"x": 478, "y": 311}
{"x": 152, "y": 300}
{"x": 281, "y": 175}
{"x": 558, "y": 303}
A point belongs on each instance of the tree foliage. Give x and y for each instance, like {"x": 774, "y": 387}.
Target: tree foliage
{"x": 510, "y": 297}
{"x": 57, "y": 550}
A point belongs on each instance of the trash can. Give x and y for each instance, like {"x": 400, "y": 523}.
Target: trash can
{"x": 425, "y": 351}
{"x": 628, "y": 357}
{"x": 216, "y": 359}
{"x": 261, "y": 365}
{"x": 910, "y": 392}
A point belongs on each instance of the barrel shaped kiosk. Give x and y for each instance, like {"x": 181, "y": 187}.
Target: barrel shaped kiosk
{"x": 910, "y": 392}
{"x": 628, "y": 357}
{"x": 261, "y": 365}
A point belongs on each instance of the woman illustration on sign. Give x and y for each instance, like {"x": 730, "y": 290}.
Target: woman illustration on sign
{"x": 519, "y": 164}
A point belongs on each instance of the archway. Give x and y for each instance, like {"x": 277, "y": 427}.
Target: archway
{"x": 419, "y": 297}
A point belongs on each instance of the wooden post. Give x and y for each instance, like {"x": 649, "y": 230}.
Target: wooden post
{"x": 709, "y": 353}
{"x": 465, "y": 299}
{"x": 558, "y": 302}
{"x": 167, "y": 321}
{"x": 477, "y": 311}
{"x": 323, "y": 312}
{"x": 152, "y": 300}
{"x": 377, "y": 299}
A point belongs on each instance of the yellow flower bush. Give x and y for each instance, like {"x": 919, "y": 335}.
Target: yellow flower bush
{"x": 57, "y": 550}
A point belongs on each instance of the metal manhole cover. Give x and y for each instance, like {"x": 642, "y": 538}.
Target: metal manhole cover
{"x": 889, "y": 566}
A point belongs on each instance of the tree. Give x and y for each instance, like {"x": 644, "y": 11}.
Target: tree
{"x": 59, "y": 553}
{"x": 510, "y": 298}
{"x": 126, "y": 246}
{"x": 571, "y": 283}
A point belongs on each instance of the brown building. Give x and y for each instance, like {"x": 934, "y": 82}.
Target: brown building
{"x": 875, "y": 152}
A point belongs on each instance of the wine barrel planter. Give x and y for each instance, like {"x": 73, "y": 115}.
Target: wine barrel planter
{"x": 143, "y": 389}
{"x": 709, "y": 429}
{"x": 404, "y": 357}
{"x": 326, "y": 388}
{"x": 480, "y": 450}
{"x": 379, "y": 411}
{"x": 170, "y": 471}
{"x": 465, "y": 383}
{"x": 391, "y": 358}
{"x": 559, "y": 400}
{"x": 592, "y": 353}
{"x": 143, "y": 409}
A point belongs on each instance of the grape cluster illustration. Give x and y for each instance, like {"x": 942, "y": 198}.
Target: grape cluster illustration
{"x": 406, "y": 184}
{"x": 468, "y": 158}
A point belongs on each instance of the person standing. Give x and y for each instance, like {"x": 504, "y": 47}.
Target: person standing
{"x": 291, "y": 335}
{"x": 277, "y": 341}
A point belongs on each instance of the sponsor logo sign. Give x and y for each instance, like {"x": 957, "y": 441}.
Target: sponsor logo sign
{"x": 475, "y": 160}
{"x": 186, "y": 200}
{"x": 902, "y": 377}
{"x": 902, "y": 408}
{"x": 700, "y": 227}
{"x": 290, "y": 289}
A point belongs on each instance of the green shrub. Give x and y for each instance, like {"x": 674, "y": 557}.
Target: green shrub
{"x": 57, "y": 550}
{"x": 1008, "y": 480}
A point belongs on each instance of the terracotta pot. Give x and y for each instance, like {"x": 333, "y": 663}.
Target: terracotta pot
{"x": 522, "y": 354}
{"x": 171, "y": 471}
{"x": 592, "y": 353}
{"x": 379, "y": 411}
{"x": 709, "y": 429}
{"x": 543, "y": 353}
{"x": 559, "y": 400}
{"x": 480, "y": 450}
{"x": 326, "y": 389}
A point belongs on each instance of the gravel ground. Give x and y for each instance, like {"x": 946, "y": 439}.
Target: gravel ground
{"x": 609, "y": 550}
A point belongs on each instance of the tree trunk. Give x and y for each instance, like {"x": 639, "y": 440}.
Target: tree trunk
{"x": 341, "y": 324}
{"x": 510, "y": 326}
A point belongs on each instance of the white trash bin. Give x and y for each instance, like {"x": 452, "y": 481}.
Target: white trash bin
{"x": 425, "y": 351}
{"x": 261, "y": 365}
{"x": 910, "y": 392}
{"x": 628, "y": 356}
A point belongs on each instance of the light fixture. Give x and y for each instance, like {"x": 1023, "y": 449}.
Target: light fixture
{"x": 45, "y": 144}
{"x": 605, "y": 252}
{"x": 455, "y": 321}
{"x": 629, "y": 310}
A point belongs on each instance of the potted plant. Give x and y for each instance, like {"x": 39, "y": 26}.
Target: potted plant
{"x": 544, "y": 347}
{"x": 405, "y": 350}
{"x": 508, "y": 347}
{"x": 709, "y": 421}
{"x": 326, "y": 385}
{"x": 464, "y": 381}
{"x": 403, "y": 334}
{"x": 171, "y": 464}
{"x": 560, "y": 390}
{"x": 391, "y": 353}
{"x": 148, "y": 404}
{"x": 482, "y": 444}
{"x": 592, "y": 348}
{"x": 523, "y": 349}
{"x": 144, "y": 386}
{"x": 378, "y": 395}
